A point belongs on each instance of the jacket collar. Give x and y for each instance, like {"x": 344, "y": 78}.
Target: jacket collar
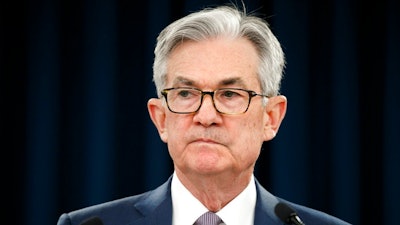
{"x": 265, "y": 207}
{"x": 156, "y": 206}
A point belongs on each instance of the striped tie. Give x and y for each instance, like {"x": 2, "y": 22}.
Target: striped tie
{"x": 208, "y": 218}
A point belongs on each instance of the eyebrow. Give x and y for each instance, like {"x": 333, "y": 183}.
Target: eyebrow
{"x": 182, "y": 80}
{"x": 226, "y": 82}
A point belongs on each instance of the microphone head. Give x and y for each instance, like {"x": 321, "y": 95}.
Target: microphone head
{"x": 92, "y": 221}
{"x": 285, "y": 212}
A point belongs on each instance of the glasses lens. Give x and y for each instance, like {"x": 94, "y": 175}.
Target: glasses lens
{"x": 227, "y": 100}
{"x": 184, "y": 100}
{"x": 231, "y": 101}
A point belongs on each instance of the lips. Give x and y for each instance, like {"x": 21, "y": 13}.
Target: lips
{"x": 205, "y": 140}
{"x": 206, "y": 137}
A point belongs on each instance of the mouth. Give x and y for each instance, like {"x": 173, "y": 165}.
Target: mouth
{"x": 205, "y": 140}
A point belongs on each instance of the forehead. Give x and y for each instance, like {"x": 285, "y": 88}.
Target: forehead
{"x": 214, "y": 62}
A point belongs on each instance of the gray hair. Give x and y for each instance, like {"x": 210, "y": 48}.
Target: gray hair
{"x": 223, "y": 21}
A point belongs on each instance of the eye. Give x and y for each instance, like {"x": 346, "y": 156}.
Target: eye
{"x": 187, "y": 93}
{"x": 230, "y": 93}
{"x": 184, "y": 93}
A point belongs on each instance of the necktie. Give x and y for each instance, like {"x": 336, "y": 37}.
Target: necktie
{"x": 208, "y": 218}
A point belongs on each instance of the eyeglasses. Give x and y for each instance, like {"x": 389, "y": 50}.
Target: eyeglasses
{"x": 230, "y": 101}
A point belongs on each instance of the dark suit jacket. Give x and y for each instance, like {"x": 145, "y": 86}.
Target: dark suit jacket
{"x": 155, "y": 207}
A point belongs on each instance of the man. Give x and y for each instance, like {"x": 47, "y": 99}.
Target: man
{"x": 217, "y": 74}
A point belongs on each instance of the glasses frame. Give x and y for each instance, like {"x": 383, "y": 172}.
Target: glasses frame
{"x": 251, "y": 93}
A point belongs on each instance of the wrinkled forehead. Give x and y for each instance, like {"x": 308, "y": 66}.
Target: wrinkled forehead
{"x": 193, "y": 82}
{"x": 214, "y": 63}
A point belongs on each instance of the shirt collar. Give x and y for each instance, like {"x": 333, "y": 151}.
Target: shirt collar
{"x": 186, "y": 208}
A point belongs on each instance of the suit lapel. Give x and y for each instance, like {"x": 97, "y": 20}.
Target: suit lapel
{"x": 156, "y": 206}
{"x": 264, "y": 213}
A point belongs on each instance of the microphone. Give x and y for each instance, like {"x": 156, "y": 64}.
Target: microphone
{"x": 287, "y": 214}
{"x": 95, "y": 220}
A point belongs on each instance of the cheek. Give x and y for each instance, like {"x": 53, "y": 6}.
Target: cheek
{"x": 251, "y": 136}
{"x": 175, "y": 131}
{"x": 253, "y": 130}
{"x": 176, "y": 127}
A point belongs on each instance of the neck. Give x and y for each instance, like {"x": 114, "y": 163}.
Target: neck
{"x": 215, "y": 191}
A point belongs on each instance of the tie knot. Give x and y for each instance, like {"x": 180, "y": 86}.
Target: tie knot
{"x": 208, "y": 218}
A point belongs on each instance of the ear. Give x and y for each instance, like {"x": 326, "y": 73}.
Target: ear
{"x": 157, "y": 114}
{"x": 275, "y": 112}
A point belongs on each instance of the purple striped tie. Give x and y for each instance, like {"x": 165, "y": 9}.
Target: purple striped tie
{"x": 208, "y": 218}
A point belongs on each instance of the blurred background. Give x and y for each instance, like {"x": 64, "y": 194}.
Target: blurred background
{"x": 75, "y": 77}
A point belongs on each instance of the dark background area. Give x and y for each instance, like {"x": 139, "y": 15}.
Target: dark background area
{"x": 75, "y": 77}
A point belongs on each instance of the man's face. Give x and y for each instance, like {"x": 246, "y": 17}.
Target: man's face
{"x": 207, "y": 142}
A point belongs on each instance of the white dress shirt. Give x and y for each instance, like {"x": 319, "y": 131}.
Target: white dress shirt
{"x": 186, "y": 208}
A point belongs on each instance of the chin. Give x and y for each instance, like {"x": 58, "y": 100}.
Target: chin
{"x": 208, "y": 167}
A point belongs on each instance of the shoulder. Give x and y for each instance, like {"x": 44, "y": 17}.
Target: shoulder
{"x": 312, "y": 216}
{"x": 120, "y": 211}
{"x": 266, "y": 203}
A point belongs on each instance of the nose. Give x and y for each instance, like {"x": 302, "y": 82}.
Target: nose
{"x": 207, "y": 115}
